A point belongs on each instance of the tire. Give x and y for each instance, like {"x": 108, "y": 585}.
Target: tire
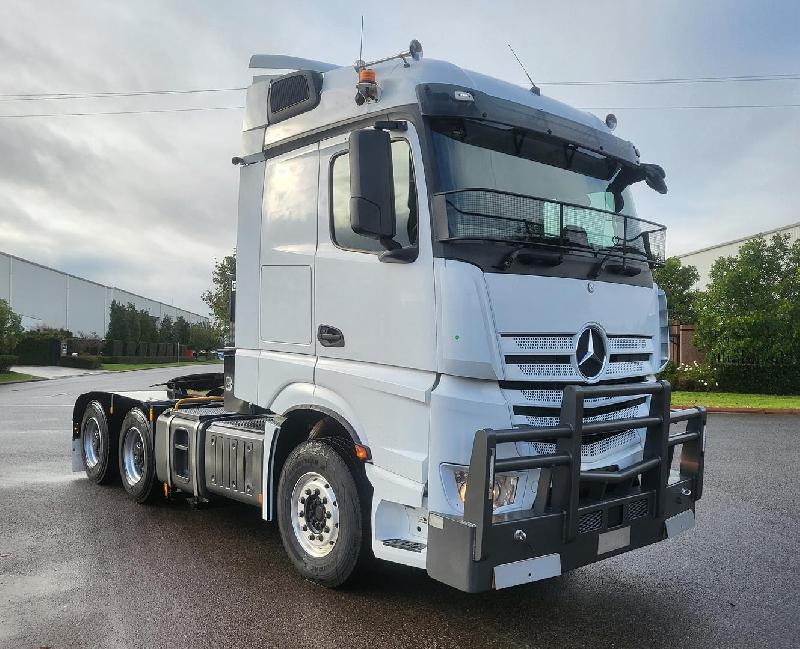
{"x": 137, "y": 466}
{"x": 97, "y": 445}
{"x": 334, "y": 508}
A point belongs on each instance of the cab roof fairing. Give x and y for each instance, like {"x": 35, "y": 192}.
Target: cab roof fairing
{"x": 398, "y": 88}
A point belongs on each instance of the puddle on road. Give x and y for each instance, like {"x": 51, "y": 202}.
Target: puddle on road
{"x": 19, "y": 592}
{"x": 36, "y": 474}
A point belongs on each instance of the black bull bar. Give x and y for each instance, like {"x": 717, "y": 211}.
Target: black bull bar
{"x": 464, "y": 551}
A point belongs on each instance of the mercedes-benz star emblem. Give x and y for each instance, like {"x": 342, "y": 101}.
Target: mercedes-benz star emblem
{"x": 590, "y": 353}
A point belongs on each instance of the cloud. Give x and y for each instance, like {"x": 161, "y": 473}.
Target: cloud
{"x": 146, "y": 202}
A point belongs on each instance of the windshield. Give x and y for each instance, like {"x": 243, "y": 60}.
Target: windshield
{"x": 473, "y": 154}
{"x": 507, "y": 184}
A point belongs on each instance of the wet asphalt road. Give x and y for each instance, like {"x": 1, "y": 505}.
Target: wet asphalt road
{"x": 81, "y": 566}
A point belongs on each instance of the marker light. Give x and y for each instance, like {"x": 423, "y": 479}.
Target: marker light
{"x": 362, "y": 452}
{"x": 611, "y": 121}
{"x": 463, "y": 95}
{"x": 366, "y": 75}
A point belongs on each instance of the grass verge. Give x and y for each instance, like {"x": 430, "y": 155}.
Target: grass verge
{"x": 735, "y": 400}
{"x": 123, "y": 367}
{"x": 12, "y": 377}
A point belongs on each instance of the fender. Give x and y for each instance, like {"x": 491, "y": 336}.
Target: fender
{"x": 305, "y": 396}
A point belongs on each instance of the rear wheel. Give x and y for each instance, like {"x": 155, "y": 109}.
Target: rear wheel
{"x": 99, "y": 460}
{"x": 137, "y": 466}
{"x": 321, "y": 514}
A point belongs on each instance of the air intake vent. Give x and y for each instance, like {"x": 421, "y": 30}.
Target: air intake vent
{"x": 293, "y": 94}
{"x": 288, "y": 92}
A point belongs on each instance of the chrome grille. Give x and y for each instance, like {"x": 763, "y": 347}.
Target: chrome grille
{"x": 551, "y": 357}
{"x": 548, "y": 370}
{"x": 623, "y": 413}
{"x": 629, "y": 344}
{"x": 591, "y": 450}
{"x": 543, "y": 343}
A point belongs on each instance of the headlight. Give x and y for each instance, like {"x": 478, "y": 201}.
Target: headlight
{"x": 504, "y": 491}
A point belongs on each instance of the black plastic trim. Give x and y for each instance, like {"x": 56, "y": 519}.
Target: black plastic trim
{"x": 330, "y": 413}
{"x": 438, "y": 100}
{"x": 313, "y": 85}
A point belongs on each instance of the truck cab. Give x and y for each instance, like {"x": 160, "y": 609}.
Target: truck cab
{"x": 446, "y": 328}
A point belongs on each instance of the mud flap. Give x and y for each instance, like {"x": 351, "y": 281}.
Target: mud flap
{"x": 77, "y": 456}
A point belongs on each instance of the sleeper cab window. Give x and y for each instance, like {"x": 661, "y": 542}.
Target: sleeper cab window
{"x": 405, "y": 201}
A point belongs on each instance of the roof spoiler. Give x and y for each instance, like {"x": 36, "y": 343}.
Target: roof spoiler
{"x": 282, "y": 62}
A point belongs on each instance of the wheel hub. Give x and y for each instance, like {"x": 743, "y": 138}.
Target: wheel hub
{"x": 92, "y": 442}
{"x": 133, "y": 456}
{"x": 315, "y": 514}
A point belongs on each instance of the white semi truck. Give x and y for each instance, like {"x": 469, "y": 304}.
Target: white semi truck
{"x": 446, "y": 336}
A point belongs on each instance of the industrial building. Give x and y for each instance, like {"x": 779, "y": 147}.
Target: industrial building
{"x": 45, "y": 297}
{"x": 704, "y": 258}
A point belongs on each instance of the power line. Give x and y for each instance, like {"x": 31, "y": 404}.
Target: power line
{"x": 125, "y": 112}
{"x": 220, "y": 108}
{"x": 724, "y": 106}
{"x": 677, "y": 80}
{"x": 106, "y": 95}
{"x": 657, "y": 81}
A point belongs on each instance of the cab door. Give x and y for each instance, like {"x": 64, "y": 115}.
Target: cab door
{"x": 286, "y": 272}
{"x": 368, "y": 310}
{"x": 375, "y": 321}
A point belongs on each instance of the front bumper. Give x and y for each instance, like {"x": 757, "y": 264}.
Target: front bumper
{"x": 563, "y": 530}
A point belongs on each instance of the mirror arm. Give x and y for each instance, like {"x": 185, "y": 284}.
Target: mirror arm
{"x": 400, "y": 255}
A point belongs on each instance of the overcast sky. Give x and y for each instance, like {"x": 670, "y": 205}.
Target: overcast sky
{"x": 145, "y": 202}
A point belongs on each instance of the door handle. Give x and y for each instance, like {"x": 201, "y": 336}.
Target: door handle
{"x": 330, "y": 336}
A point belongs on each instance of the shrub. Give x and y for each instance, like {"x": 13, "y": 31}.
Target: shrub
{"x": 692, "y": 377}
{"x": 761, "y": 379}
{"x": 669, "y": 373}
{"x": 82, "y": 362}
{"x": 140, "y": 359}
{"x": 10, "y": 328}
{"x": 6, "y": 361}
{"x": 37, "y": 348}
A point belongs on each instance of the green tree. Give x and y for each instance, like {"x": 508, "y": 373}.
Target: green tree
{"x": 134, "y": 322}
{"x": 218, "y": 298}
{"x": 677, "y": 281}
{"x": 147, "y": 327}
{"x": 118, "y": 323}
{"x": 203, "y": 337}
{"x": 182, "y": 330}
{"x": 10, "y": 328}
{"x": 752, "y": 308}
{"x": 166, "y": 330}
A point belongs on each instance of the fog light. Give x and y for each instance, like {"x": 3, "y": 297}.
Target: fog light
{"x": 504, "y": 490}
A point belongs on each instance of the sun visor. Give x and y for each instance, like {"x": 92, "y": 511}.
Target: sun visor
{"x": 446, "y": 100}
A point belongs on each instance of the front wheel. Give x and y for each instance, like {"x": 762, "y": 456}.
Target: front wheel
{"x": 321, "y": 514}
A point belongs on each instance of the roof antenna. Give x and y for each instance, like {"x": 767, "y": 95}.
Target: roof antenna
{"x": 534, "y": 88}
{"x": 360, "y": 62}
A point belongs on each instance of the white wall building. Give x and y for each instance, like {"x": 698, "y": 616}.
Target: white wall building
{"x": 704, "y": 258}
{"x": 47, "y": 297}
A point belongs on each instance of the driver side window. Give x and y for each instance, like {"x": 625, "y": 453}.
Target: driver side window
{"x": 405, "y": 201}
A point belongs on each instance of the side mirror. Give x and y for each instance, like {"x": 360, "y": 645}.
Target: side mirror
{"x": 654, "y": 176}
{"x": 371, "y": 184}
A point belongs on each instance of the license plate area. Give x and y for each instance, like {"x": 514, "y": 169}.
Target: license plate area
{"x": 613, "y": 540}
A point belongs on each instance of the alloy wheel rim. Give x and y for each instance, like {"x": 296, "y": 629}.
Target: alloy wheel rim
{"x": 92, "y": 442}
{"x": 133, "y": 456}
{"x": 315, "y": 514}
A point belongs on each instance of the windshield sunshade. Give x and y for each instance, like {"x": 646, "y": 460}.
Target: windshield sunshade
{"x": 491, "y": 215}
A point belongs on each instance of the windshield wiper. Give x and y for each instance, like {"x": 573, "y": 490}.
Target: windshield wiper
{"x": 530, "y": 254}
{"x": 617, "y": 269}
